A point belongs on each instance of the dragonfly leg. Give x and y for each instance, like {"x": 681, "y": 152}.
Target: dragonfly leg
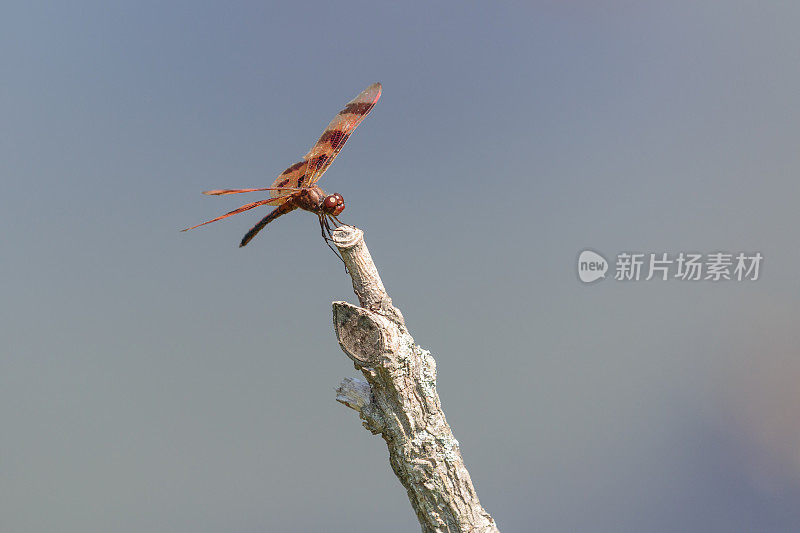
{"x": 326, "y": 228}
{"x": 339, "y": 222}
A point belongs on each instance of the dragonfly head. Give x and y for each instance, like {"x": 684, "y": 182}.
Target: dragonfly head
{"x": 333, "y": 204}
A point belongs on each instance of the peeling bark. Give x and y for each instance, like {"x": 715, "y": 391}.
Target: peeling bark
{"x": 399, "y": 401}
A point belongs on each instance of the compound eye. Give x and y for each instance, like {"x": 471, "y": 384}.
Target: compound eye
{"x": 331, "y": 201}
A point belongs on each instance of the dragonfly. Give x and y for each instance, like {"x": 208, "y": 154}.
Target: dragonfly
{"x": 295, "y": 187}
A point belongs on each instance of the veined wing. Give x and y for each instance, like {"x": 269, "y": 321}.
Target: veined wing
{"x": 334, "y": 137}
{"x": 330, "y": 143}
{"x": 269, "y": 201}
{"x": 222, "y": 192}
{"x": 290, "y": 179}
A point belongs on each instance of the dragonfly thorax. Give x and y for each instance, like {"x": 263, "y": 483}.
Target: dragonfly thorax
{"x": 315, "y": 200}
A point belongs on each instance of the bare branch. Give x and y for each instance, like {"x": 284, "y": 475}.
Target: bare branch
{"x": 399, "y": 399}
{"x": 367, "y": 283}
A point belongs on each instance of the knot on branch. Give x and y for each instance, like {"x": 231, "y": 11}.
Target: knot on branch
{"x": 363, "y": 334}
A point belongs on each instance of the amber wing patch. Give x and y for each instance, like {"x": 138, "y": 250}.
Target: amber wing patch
{"x": 308, "y": 171}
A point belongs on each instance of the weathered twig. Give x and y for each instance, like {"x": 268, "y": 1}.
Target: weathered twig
{"x": 399, "y": 401}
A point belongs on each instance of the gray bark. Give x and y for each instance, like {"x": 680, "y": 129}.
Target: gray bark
{"x": 398, "y": 399}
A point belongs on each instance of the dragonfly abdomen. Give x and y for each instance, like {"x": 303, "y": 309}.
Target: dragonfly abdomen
{"x": 282, "y": 209}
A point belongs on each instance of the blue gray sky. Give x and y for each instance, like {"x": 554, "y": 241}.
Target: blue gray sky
{"x": 152, "y": 380}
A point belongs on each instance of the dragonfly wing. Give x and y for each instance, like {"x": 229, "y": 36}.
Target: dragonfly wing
{"x": 222, "y": 192}
{"x": 339, "y": 129}
{"x": 291, "y": 179}
{"x": 270, "y": 201}
{"x": 308, "y": 171}
{"x": 332, "y": 140}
